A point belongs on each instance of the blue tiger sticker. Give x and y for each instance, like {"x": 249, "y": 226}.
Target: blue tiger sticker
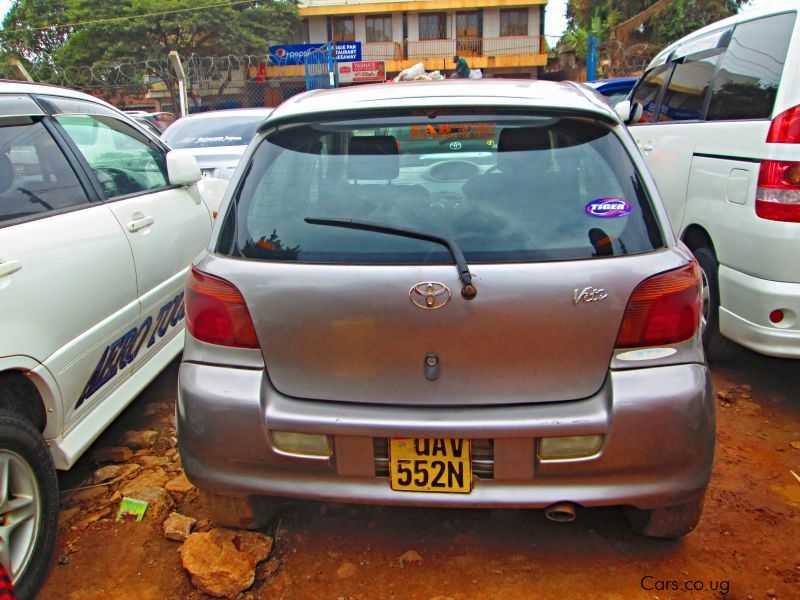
{"x": 608, "y": 208}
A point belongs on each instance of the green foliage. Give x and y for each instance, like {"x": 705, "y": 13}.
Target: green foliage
{"x": 677, "y": 19}
{"x": 220, "y": 30}
{"x": 686, "y": 16}
{"x": 20, "y": 38}
{"x": 576, "y": 40}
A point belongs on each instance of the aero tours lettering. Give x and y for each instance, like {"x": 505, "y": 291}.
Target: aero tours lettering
{"x": 120, "y": 353}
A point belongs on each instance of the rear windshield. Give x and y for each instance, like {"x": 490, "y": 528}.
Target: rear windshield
{"x": 212, "y": 131}
{"x": 506, "y": 188}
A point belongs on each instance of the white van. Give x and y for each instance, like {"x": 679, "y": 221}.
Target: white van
{"x": 720, "y": 131}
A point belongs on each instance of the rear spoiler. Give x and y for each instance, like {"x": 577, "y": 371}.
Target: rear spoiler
{"x": 377, "y": 113}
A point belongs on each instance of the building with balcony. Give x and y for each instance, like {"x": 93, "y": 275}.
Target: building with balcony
{"x": 503, "y": 38}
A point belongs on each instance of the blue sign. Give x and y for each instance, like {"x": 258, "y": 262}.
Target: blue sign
{"x": 295, "y": 54}
{"x": 347, "y": 51}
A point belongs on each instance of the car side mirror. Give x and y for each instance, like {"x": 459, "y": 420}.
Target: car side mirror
{"x": 182, "y": 168}
{"x": 629, "y": 111}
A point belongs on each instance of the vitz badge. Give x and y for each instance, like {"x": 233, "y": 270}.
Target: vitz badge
{"x": 588, "y": 294}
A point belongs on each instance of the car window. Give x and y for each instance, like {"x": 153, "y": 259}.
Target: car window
{"x": 120, "y": 156}
{"x": 544, "y": 189}
{"x": 212, "y": 131}
{"x": 35, "y": 177}
{"x": 686, "y": 93}
{"x": 750, "y": 72}
{"x": 647, "y": 91}
{"x": 614, "y": 97}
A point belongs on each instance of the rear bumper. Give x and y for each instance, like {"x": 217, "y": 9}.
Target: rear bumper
{"x": 658, "y": 426}
{"x": 747, "y": 302}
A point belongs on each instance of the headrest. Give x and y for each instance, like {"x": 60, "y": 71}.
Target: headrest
{"x": 513, "y": 140}
{"x": 6, "y": 172}
{"x": 374, "y": 157}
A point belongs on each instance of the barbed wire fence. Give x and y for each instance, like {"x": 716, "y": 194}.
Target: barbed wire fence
{"x": 620, "y": 60}
{"x": 213, "y": 82}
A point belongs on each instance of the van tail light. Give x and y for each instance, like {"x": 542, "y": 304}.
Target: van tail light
{"x": 778, "y": 194}
{"x": 664, "y": 309}
{"x": 216, "y": 312}
{"x": 785, "y": 128}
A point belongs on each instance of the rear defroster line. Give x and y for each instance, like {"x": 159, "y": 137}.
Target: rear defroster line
{"x": 468, "y": 291}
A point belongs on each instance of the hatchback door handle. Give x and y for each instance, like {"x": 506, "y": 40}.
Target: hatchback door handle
{"x": 140, "y": 221}
{"x": 10, "y": 266}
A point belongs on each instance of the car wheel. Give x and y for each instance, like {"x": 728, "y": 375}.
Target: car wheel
{"x": 28, "y": 503}
{"x": 713, "y": 341}
{"x": 668, "y": 523}
{"x": 239, "y": 512}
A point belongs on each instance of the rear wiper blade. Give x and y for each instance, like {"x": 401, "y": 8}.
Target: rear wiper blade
{"x": 468, "y": 291}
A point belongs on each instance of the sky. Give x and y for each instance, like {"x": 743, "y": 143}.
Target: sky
{"x": 555, "y": 21}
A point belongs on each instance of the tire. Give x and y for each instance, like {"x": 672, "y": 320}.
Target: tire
{"x": 239, "y": 512}
{"x": 668, "y": 523}
{"x": 27, "y": 531}
{"x": 715, "y": 344}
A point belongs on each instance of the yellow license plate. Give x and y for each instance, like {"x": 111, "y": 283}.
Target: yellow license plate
{"x": 430, "y": 465}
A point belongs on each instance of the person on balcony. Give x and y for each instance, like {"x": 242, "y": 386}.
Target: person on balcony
{"x": 462, "y": 68}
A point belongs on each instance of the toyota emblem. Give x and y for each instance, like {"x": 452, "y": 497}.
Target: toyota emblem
{"x": 430, "y": 294}
{"x": 455, "y": 146}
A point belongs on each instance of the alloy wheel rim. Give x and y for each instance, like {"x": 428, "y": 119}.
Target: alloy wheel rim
{"x": 20, "y": 513}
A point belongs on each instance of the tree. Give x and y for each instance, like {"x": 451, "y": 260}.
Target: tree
{"x": 98, "y": 37}
{"x": 29, "y": 35}
{"x": 660, "y": 25}
{"x": 675, "y": 20}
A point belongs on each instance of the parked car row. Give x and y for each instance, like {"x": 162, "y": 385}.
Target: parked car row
{"x": 217, "y": 139}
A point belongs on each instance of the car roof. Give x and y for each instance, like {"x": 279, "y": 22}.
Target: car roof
{"x": 747, "y": 15}
{"x": 231, "y": 112}
{"x": 618, "y": 82}
{"x": 506, "y": 93}
{"x": 24, "y": 87}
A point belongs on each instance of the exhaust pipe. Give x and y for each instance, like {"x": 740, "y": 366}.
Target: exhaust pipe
{"x": 560, "y": 512}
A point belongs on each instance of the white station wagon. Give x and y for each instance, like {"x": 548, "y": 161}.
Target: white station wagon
{"x": 98, "y": 223}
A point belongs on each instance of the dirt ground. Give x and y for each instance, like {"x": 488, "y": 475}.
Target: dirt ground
{"x": 748, "y": 542}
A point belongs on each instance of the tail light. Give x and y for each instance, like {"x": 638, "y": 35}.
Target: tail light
{"x": 778, "y": 194}
{"x": 216, "y": 312}
{"x": 785, "y": 128}
{"x": 664, "y": 309}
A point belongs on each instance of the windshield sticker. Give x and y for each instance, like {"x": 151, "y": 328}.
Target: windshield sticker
{"x": 453, "y": 131}
{"x": 608, "y": 208}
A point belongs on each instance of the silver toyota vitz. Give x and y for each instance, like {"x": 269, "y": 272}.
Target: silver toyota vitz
{"x": 453, "y": 294}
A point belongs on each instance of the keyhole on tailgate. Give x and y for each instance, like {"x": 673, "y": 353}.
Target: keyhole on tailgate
{"x": 431, "y": 366}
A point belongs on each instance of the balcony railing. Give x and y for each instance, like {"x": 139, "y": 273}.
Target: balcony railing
{"x": 382, "y": 51}
{"x": 430, "y": 48}
{"x": 517, "y": 44}
{"x": 465, "y": 46}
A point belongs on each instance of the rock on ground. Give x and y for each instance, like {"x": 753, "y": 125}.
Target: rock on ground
{"x": 222, "y": 562}
{"x": 180, "y": 486}
{"x": 113, "y": 472}
{"x": 149, "y": 487}
{"x": 140, "y": 439}
{"x": 153, "y": 461}
{"x": 411, "y": 557}
{"x": 345, "y": 570}
{"x": 178, "y": 527}
{"x": 116, "y": 454}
